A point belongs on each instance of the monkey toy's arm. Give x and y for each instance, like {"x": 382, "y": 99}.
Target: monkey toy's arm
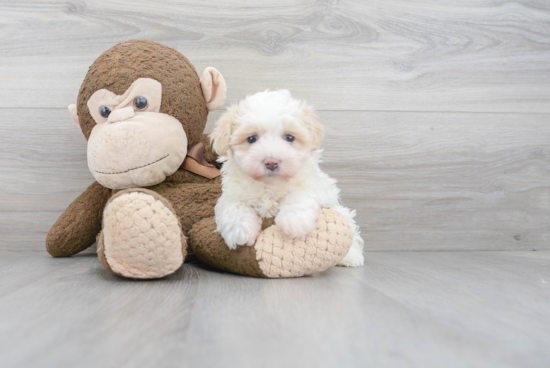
{"x": 77, "y": 227}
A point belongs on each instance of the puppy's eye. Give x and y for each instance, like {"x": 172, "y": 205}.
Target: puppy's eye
{"x": 140, "y": 103}
{"x": 105, "y": 111}
{"x": 289, "y": 138}
{"x": 252, "y": 139}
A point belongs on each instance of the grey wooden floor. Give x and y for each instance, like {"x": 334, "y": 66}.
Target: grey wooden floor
{"x": 403, "y": 309}
{"x": 437, "y": 118}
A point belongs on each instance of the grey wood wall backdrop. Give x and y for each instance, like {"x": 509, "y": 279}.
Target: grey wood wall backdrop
{"x": 436, "y": 112}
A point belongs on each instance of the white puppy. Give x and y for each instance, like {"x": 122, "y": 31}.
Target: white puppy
{"x": 269, "y": 145}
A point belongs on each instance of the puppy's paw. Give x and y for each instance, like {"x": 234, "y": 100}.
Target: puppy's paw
{"x": 296, "y": 223}
{"x": 243, "y": 230}
{"x": 354, "y": 258}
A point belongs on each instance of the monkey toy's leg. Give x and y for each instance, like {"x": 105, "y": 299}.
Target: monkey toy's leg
{"x": 274, "y": 255}
{"x": 141, "y": 236}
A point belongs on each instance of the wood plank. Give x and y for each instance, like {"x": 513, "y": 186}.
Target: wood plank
{"x": 437, "y": 181}
{"x": 480, "y": 295}
{"x": 395, "y": 55}
{"x": 83, "y": 306}
{"x": 443, "y": 181}
{"x": 427, "y": 309}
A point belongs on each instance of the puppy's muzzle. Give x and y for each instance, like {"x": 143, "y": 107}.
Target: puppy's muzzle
{"x": 271, "y": 164}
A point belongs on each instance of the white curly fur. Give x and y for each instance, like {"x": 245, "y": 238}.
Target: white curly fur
{"x": 294, "y": 192}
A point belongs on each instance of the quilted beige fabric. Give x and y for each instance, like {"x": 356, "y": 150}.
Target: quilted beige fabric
{"x": 146, "y": 235}
{"x": 279, "y": 256}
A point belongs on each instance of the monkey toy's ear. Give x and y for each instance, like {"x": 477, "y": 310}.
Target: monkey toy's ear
{"x": 214, "y": 88}
{"x": 74, "y": 114}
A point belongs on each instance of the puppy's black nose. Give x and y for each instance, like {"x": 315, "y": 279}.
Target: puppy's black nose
{"x": 271, "y": 164}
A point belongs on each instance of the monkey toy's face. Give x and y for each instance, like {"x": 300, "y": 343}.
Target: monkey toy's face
{"x": 132, "y": 143}
{"x": 140, "y": 106}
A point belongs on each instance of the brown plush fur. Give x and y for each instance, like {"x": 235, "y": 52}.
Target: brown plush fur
{"x": 210, "y": 248}
{"x": 193, "y": 197}
{"x": 77, "y": 227}
{"x": 117, "y": 68}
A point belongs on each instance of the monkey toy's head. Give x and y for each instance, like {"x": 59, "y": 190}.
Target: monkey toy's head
{"x": 140, "y": 107}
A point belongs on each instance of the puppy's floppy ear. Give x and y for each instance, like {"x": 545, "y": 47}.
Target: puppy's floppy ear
{"x": 221, "y": 136}
{"x": 315, "y": 128}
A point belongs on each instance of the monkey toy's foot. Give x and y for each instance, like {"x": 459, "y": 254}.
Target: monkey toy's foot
{"x": 141, "y": 236}
{"x": 274, "y": 255}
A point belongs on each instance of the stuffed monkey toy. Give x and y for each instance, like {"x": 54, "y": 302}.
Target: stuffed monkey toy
{"x": 143, "y": 109}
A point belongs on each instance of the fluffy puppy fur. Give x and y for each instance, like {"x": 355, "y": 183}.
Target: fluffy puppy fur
{"x": 269, "y": 145}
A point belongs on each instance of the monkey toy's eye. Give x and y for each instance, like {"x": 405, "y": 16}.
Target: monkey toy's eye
{"x": 140, "y": 102}
{"x": 252, "y": 139}
{"x": 105, "y": 111}
{"x": 289, "y": 138}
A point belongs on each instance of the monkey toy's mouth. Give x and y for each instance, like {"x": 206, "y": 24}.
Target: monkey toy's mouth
{"x": 138, "y": 152}
{"x": 134, "y": 168}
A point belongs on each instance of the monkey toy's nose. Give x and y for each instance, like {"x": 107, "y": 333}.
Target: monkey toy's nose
{"x": 271, "y": 164}
{"x": 121, "y": 114}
